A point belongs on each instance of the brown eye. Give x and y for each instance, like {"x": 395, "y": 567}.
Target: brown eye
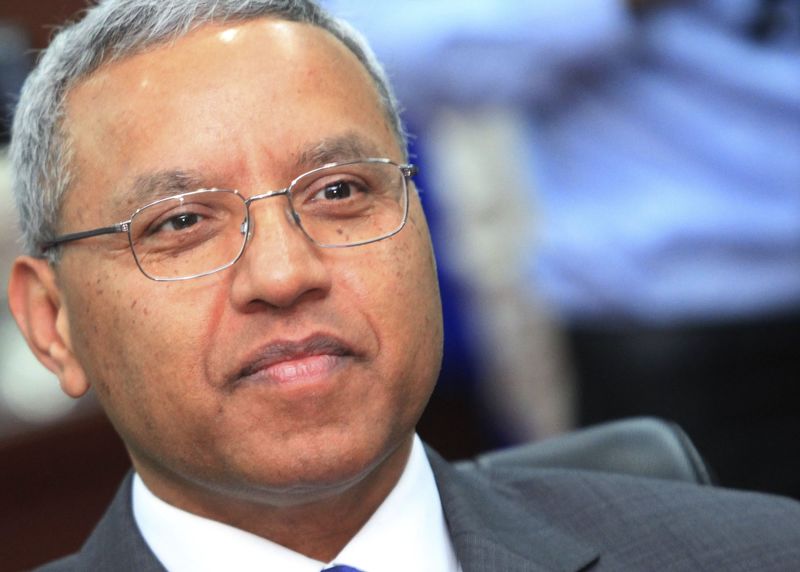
{"x": 183, "y": 221}
{"x": 336, "y": 191}
{"x": 178, "y": 222}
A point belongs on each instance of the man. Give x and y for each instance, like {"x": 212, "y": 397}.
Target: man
{"x": 224, "y": 243}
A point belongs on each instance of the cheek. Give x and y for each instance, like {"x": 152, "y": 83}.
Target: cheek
{"x": 415, "y": 268}
{"x": 139, "y": 344}
{"x": 98, "y": 326}
{"x": 394, "y": 283}
{"x": 145, "y": 356}
{"x": 423, "y": 299}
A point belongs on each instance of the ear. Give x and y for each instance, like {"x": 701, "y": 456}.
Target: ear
{"x": 36, "y": 303}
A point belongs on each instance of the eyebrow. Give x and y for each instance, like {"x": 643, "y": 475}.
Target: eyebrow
{"x": 150, "y": 187}
{"x": 161, "y": 184}
{"x": 347, "y": 147}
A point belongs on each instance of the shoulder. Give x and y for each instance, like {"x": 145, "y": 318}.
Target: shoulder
{"x": 564, "y": 490}
{"x": 62, "y": 565}
{"x": 615, "y": 522}
{"x": 664, "y": 520}
{"x": 115, "y": 545}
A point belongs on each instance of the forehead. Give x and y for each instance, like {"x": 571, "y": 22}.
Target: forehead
{"x": 243, "y": 101}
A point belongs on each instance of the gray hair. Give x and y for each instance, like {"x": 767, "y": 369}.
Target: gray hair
{"x": 113, "y": 29}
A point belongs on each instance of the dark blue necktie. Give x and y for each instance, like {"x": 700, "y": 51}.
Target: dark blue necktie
{"x": 341, "y": 568}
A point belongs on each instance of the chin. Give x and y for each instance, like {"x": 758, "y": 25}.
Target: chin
{"x": 303, "y": 478}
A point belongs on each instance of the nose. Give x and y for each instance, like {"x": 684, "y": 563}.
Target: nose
{"x": 280, "y": 265}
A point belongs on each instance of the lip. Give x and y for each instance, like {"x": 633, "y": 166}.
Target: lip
{"x": 287, "y": 362}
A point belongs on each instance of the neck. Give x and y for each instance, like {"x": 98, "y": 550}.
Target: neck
{"x": 317, "y": 524}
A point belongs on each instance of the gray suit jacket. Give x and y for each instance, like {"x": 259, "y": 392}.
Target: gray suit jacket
{"x": 552, "y": 520}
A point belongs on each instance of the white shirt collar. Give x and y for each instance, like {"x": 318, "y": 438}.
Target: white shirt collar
{"x": 407, "y": 532}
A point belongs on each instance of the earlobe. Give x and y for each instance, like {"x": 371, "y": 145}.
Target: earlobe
{"x": 36, "y": 304}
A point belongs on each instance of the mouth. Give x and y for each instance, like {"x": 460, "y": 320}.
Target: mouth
{"x": 290, "y": 363}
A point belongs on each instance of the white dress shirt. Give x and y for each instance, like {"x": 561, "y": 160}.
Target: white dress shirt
{"x": 407, "y": 532}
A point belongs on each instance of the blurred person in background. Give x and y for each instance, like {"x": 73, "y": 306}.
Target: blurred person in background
{"x": 662, "y": 141}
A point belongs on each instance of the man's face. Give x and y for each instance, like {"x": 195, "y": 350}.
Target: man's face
{"x": 181, "y": 367}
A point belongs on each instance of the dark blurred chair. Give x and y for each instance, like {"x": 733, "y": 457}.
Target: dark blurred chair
{"x": 642, "y": 446}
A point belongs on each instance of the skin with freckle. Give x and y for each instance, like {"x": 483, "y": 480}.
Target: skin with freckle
{"x": 161, "y": 355}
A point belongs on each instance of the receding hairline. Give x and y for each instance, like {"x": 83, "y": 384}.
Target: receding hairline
{"x": 222, "y": 26}
{"x": 199, "y": 28}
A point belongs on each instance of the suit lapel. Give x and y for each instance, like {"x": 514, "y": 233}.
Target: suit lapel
{"x": 116, "y": 543}
{"x": 492, "y": 532}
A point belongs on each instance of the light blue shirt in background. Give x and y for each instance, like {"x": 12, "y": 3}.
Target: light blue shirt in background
{"x": 665, "y": 152}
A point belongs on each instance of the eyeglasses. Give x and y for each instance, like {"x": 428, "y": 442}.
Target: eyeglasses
{"x": 201, "y": 232}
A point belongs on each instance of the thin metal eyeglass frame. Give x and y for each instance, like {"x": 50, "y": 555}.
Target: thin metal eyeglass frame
{"x": 407, "y": 170}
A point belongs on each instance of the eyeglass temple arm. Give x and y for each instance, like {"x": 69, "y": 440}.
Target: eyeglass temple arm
{"x": 409, "y": 170}
{"x": 119, "y": 227}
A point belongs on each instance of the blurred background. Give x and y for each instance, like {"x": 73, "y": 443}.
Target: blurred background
{"x": 614, "y": 192}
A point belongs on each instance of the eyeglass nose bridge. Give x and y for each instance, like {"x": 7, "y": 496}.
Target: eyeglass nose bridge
{"x": 247, "y": 224}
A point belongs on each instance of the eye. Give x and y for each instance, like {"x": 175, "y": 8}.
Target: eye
{"x": 182, "y": 221}
{"x": 334, "y": 191}
{"x": 178, "y": 222}
{"x": 337, "y": 190}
